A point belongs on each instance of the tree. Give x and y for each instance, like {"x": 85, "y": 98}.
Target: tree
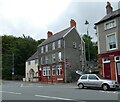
{"x": 91, "y": 47}
{"x": 22, "y": 48}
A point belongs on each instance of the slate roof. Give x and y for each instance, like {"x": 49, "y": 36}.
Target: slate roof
{"x": 109, "y": 16}
{"x": 33, "y": 57}
{"x": 55, "y": 37}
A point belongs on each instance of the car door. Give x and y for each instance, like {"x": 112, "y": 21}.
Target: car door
{"x": 94, "y": 81}
{"x": 84, "y": 80}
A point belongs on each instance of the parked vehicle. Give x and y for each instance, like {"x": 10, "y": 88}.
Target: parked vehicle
{"x": 92, "y": 80}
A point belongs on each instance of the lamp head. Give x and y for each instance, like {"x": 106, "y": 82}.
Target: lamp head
{"x": 86, "y": 22}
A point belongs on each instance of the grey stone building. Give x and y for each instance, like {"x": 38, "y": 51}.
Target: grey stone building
{"x": 61, "y": 54}
{"x": 108, "y": 32}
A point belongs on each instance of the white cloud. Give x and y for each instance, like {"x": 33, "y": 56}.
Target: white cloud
{"x": 36, "y": 17}
{"x": 28, "y": 15}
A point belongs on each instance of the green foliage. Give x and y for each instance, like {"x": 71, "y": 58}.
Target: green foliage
{"x": 91, "y": 47}
{"x": 22, "y": 48}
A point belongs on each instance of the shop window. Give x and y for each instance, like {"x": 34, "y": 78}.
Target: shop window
{"x": 59, "y": 70}
{"x": 46, "y": 71}
{"x": 53, "y": 70}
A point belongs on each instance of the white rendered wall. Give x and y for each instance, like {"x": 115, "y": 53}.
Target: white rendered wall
{"x": 33, "y": 66}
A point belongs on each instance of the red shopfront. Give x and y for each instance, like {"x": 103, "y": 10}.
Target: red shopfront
{"x": 109, "y": 65}
{"x": 52, "y": 73}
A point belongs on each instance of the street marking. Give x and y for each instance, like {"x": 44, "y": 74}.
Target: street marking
{"x": 59, "y": 98}
{"x": 110, "y": 92}
{"x": 11, "y": 92}
{"x": 29, "y": 85}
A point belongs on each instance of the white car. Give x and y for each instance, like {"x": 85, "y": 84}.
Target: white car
{"x": 92, "y": 80}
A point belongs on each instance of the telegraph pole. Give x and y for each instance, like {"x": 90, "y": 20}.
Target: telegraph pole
{"x": 13, "y": 69}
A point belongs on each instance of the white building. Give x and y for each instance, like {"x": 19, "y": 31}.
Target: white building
{"x": 31, "y": 69}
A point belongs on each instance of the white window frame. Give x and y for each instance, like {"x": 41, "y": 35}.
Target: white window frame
{"x": 46, "y": 48}
{"x": 53, "y": 45}
{"x": 107, "y": 43}
{"x": 74, "y": 45}
{"x": 109, "y": 24}
{"x": 59, "y": 43}
{"x": 107, "y": 61}
{"x": 116, "y": 59}
{"x": 42, "y": 49}
{"x": 60, "y": 56}
{"x": 44, "y": 71}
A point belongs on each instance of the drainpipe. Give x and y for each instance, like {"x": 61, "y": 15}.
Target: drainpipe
{"x": 64, "y": 62}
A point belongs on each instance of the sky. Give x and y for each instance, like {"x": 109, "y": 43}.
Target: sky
{"x": 35, "y": 18}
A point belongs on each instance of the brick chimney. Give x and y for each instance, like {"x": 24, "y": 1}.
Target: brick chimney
{"x": 49, "y": 34}
{"x": 72, "y": 23}
{"x": 109, "y": 8}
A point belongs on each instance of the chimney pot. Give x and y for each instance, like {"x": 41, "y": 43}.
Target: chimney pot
{"x": 72, "y": 23}
{"x": 49, "y": 34}
{"x": 109, "y": 8}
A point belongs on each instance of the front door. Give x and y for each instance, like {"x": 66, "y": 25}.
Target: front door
{"x": 107, "y": 71}
{"x": 118, "y": 71}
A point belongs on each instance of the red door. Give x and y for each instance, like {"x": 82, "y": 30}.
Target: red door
{"x": 107, "y": 71}
{"x": 118, "y": 71}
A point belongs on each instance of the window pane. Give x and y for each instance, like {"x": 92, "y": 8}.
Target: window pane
{"x": 59, "y": 70}
{"x": 53, "y": 70}
{"x": 74, "y": 44}
{"x": 53, "y": 58}
{"x": 59, "y": 43}
{"x": 84, "y": 77}
{"x": 36, "y": 61}
{"x": 53, "y": 45}
{"x": 46, "y": 59}
{"x": 29, "y": 63}
{"x": 92, "y": 77}
{"x": 42, "y": 49}
{"x": 111, "y": 41}
{"x": 46, "y": 48}
{"x": 110, "y": 25}
{"x": 59, "y": 56}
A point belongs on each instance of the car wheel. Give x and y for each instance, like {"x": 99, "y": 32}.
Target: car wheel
{"x": 81, "y": 86}
{"x": 105, "y": 87}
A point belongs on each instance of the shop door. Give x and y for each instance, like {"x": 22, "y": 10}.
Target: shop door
{"x": 107, "y": 71}
{"x": 118, "y": 71}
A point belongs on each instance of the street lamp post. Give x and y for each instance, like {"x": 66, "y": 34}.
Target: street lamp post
{"x": 87, "y": 23}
